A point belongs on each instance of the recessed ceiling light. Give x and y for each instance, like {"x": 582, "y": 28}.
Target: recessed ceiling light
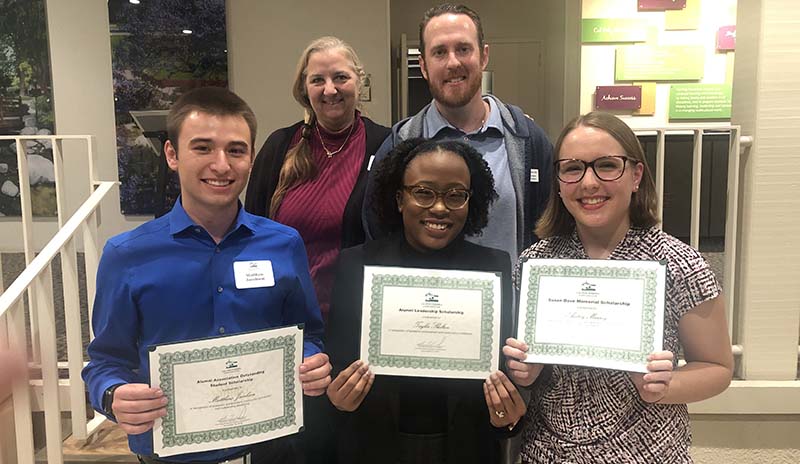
{"x": 134, "y": 2}
{"x": 187, "y": 31}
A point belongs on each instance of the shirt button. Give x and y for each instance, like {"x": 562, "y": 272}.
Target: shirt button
{"x": 197, "y": 229}
{"x": 219, "y": 289}
{"x": 216, "y": 250}
{"x": 221, "y": 329}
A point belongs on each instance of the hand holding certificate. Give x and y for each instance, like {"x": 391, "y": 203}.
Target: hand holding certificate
{"x": 228, "y": 391}
{"x": 607, "y": 314}
{"x": 430, "y": 323}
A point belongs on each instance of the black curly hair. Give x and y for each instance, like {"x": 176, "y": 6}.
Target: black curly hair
{"x": 389, "y": 181}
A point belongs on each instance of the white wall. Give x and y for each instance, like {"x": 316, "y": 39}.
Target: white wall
{"x": 265, "y": 39}
{"x": 539, "y": 20}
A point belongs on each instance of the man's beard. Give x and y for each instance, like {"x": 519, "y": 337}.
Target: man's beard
{"x": 459, "y": 99}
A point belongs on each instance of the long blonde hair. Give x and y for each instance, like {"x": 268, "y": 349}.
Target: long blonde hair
{"x": 299, "y": 165}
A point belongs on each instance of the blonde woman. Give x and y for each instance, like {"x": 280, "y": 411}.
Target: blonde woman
{"x": 311, "y": 175}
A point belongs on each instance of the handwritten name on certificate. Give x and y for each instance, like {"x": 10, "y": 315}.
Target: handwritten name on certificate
{"x": 228, "y": 391}
{"x": 430, "y": 322}
{"x": 598, "y": 313}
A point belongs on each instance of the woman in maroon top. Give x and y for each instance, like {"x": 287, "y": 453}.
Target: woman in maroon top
{"x": 311, "y": 175}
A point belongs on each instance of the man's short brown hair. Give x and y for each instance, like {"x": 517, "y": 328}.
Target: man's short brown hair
{"x": 450, "y": 8}
{"x": 217, "y": 101}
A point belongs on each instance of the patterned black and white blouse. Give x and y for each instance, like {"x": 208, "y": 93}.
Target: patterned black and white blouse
{"x": 586, "y": 415}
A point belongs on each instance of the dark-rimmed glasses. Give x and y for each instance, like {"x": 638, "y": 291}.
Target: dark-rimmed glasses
{"x": 425, "y": 197}
{"x": 606, "y": 168}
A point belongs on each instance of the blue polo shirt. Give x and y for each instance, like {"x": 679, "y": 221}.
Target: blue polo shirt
{"x": 489, "y": 141}
{"x": 168, "y": 281}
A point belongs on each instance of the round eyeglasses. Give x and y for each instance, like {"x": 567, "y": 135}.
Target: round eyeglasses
{"x": 606, "y": 168}
{"x": 424, "y": 197}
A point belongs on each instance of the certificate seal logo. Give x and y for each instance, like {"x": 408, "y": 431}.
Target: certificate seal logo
{"x": 589, "y": 287}
{"x": 231, "y": 365}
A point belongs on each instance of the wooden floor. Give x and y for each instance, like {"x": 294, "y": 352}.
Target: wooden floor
{"x": 108, "y": 444}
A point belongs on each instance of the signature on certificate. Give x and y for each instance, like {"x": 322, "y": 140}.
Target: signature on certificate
{"x": 434, "y": 346}
{"x": 235, "y": 417}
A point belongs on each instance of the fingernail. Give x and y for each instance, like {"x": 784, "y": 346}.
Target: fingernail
{"x": 159, "y": 392}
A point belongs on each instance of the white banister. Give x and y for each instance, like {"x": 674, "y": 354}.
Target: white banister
{"x": 15, "y": 290}
{"x": 660, "y": 150}
{"x": 36, "y": 280}
{"x": 21, "y": 394}
{"x": 737, "y": 142}
{"x": 697, "y": 176}
{"x": 27, "y": 238}
{"x": 72, "y": 305}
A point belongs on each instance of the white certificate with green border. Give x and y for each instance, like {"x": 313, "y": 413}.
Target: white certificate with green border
{"x": 597, "y": 313}
{"x": 431, "y": 322}
{"x": 228, "y": 391}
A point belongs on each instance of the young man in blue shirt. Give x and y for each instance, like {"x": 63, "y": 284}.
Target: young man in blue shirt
{"x": 172, "y": 279}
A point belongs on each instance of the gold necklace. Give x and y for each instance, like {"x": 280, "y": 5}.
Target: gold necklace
{"x": 331, "y": 153}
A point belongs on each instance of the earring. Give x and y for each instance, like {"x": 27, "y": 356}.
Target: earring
{"x": 635, "y": 188}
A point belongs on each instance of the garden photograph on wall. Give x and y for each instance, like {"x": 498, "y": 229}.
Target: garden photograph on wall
{"x": 26, "y": 105}
{"x": 160, "y": 49}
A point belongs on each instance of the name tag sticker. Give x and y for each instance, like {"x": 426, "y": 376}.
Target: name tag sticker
{"x": 534, "y": 175}
{"x": 253, "y": 274}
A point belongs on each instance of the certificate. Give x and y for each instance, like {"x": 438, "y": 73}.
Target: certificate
{"x": 598, "y": 313}
{"x": 430, "y": 322}
{"x": 228, "y": 391}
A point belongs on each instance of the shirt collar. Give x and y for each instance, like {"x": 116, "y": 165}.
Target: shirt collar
{"x": 179, "y": 220}
{"x": 435, "y": 122}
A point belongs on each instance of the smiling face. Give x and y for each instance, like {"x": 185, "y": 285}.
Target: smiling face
{"x": 213, "y": 160}
{"x": 332, "y": 88}
{"x": 452, "y": 61}
{"x": 433, "y": 228}
{"x": 600, "y": 208}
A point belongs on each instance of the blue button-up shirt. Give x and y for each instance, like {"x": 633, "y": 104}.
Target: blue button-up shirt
{"x": 168, "y": 281}
{"x": 489, "y": 141}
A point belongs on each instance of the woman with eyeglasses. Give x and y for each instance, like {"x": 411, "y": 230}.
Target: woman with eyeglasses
{"x": 431, "y": 194}
{"x": 603, "y": 206}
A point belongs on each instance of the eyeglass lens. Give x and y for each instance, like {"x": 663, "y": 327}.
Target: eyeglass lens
{"x": 453, "y": 199}
{"x": 606, "y": 168}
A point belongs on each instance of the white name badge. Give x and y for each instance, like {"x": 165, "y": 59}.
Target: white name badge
{"x": 253, "y": 274}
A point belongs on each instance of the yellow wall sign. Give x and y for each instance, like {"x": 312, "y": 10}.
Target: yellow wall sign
{"x": 603, "y": 30}
{"x": 660, "y": 63}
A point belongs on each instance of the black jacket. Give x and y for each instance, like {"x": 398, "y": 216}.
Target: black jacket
{"x": 267, "y": 169}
